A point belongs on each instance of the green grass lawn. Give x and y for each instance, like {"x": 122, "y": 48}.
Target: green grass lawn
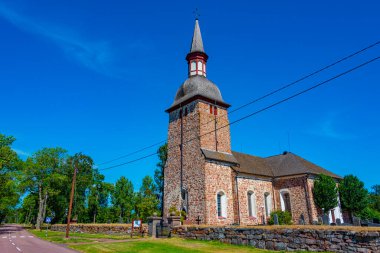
{"x": 101, "y": 243}
{"x": 59, "y": 237}
{"x": 172, "y": 245}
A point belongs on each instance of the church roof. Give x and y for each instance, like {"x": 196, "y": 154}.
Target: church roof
{"x": 219, "y": 156}
{"x": 198, "y": 86}
{"x": 197, "y": 43}
{"x": 286, "y": 164}
{"x": 252, "y": 165}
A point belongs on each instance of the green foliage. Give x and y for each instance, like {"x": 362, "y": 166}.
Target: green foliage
{"x": 176, "y": 212}
{"x": 374, "y": 198}
{"x": 353, "y": 195}
{"x": 10, "y": 168}
{"x": 146, "y": 199}
{"x": 123, "y": 199}
{"x": 45, "y": 178}
{"x": 325, "y": 192}
{"x": 284, "y": 217}
{"x": 369, "y": 213}
{"x": 159, "y": 172}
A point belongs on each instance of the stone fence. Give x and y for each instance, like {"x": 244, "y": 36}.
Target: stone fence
{"x": 111, "y": 229}
{"x": 289, "y": 239}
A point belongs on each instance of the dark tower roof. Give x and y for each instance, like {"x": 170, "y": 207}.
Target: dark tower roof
{"x": 197, "y": 43}
{"x": 197, "y": 86}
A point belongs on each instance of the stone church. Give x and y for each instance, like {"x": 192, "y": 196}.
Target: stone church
{"x": 218, "y": 186}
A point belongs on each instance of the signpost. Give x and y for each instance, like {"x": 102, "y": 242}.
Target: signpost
{"x": 47, "y": 220}
{"x": 136, "y": 224}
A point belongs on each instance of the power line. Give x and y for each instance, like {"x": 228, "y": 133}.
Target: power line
{"x": 258, "y": 111}
{"x": 255, "y": 100}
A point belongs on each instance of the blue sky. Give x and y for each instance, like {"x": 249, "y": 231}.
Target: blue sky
{"x": 96, "y": 77}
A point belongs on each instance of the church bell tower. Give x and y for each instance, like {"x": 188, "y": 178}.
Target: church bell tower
{"x": 198, "y": 123}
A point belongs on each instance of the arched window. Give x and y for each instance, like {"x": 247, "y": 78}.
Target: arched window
{"x": 221, "y": 205}
{"x": 252, "y": 211}
{"x": 267, "y": 203}
{"x": 285, "y": 201}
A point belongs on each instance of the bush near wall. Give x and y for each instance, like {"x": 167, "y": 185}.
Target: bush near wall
{"x": 284, "y": 218}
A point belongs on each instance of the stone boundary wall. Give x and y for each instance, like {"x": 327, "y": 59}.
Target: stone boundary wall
{"x": 111, "y": 229}
{"x": 289, "y": 239}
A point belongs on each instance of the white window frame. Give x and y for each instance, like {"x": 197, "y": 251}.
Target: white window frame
{"x": 251, "y": 202}
{"x": 223, "y": 205}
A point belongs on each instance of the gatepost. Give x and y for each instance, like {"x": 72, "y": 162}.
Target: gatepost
{"x": 152, "y": 225}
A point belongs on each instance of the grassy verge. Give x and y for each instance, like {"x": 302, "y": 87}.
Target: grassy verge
{"x": 101, "y": 243}
{"x": 172, "y": 245}
{"x": 59, "y": 237}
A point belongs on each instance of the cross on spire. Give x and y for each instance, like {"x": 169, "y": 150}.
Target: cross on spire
{"x": 196, "y": 13}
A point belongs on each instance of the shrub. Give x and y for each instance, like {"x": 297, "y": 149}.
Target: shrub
{"x": 284, "y": 217}
{"x": 173, "y": 210}
{"x": 369, "y": 214}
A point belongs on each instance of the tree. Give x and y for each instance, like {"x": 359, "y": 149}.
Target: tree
{"x": 353, "y": 195}
{"x": 123, "y": 198}
{"x": 10, "y": 166}
{"x": 43, "y": 176}
{"x": 374, "y": 198}
{"x": 162, "y": 153}
{"x": 325, "y": 192}
{"x": 376, "y": 190}
{"x": 146, "y": 199}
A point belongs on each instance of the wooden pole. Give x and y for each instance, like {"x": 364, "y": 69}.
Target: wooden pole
{"x": 71, "y": 203}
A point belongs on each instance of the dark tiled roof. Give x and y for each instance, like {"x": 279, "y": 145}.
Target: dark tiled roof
{"x": 290, "y": 164}
{"x": 197, "y": 86}
{"x": 286, "y": 164}
{"x": 219, "y": 156}
{"x": 252, "y": 165}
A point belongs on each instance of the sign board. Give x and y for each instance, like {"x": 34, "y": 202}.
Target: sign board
{"x": 48, "y": 219}
{"x": 136, "y": 223}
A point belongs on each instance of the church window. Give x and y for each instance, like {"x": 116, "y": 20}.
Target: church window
{"x": 215, "y": 110}
{"x": 193, "y": 68}
{"x": 251, "y": 204}
{"x": 221, "y": 205}
{"x": 211, "y": 109}
{"x": 200, "y": 69}
{"x": 267, "y": 204}
{"x": 285, "y": 201}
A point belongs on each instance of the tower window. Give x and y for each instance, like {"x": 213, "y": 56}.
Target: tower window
{"x": 210, "y": 109}
{"x": 200, "y": 68}
{"x": 193, "y": 68}
{"x": 215, "y": 110}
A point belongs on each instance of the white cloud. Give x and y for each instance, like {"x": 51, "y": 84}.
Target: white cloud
{"x": 327, "y": 128}
{"x": 21, "y": 152}
{"x": 96, "y": 55}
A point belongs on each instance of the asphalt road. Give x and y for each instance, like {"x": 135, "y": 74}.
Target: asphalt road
{"x": 15, "y": 239}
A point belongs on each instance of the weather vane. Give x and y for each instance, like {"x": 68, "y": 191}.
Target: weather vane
{"x": 196, "y": 13}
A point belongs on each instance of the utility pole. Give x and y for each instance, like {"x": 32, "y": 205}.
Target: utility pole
{"x": 71, "y": 202}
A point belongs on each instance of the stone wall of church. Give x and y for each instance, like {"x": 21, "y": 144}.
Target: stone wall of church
{"x": 219, "y": 179}
{"x": 297, "y": 189}
{"x": 192, "y": 164}
{"x": 259, "y": 188}
{"x": 314, "y": 211}
{"x": 221, "y": 140}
